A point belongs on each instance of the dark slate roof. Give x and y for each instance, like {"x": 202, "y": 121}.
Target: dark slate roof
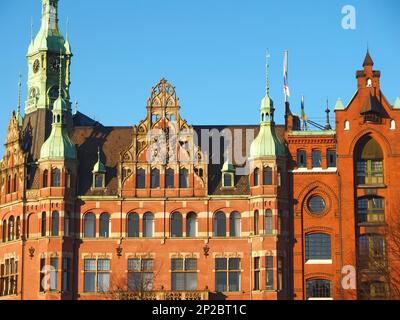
{"x": 112, "y": 141}
{"x": 371, "y": 104}
{"x": 81, "y": 120}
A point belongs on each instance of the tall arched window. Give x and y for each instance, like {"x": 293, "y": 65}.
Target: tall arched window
{"x": 148, "y": 225}
{"x": 55, "y": 177}
{"x": 4, "y": 231}
{"x": 67, "y": 223}
{"x": 43, "y": 224}
{"x": 9, "y": 184}
{"x": 234, "y": 224}
{"x": 268, "y": 229}
{"x": 256, "y": 223}
{"x": 191, "y": 224}
{"x": 29, "y": 225}
{"x": 11, "y": 229}
{"x": 45, "y": 181}
{"x": 133, "y": 225}
{"x": 369, "y": 162}
{"x": 155, "y": 178}
{"x": 256, "y": 177}
{"x": 18, "y": 228}
{"x": 183, "y": 178}
{"x": 104, "y": 225}
{"x": 169, "y": 178}
{"x": 267, "y": 176}
{"x": 140, "y": 178}
{"x": 55, "y": 223}
{"x": 220, "y": 224}
{"x": 89, "y": 225}
{"x": 176, "y": 224}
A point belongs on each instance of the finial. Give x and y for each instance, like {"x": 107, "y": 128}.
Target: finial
{"x": 98, "y": 153}
{"x": 327, "y": 125}
{"x": 19, "y": 94}
{"x": 76, "y": 106}
{"x": 60, "y": 79}
{"x": 267, "y": 56}
{"x": 66, "y": 29}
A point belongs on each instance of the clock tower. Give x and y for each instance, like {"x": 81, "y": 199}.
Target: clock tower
{"x": 43, "y": 61}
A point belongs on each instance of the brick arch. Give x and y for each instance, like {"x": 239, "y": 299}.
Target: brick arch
{"x": 376, "y": 135}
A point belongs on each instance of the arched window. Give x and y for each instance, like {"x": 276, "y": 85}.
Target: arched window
{"x": 176, "y": 224}
{"x": 30, "y": 225}
{"x": 55, "y": 177}
{"x": 89, "y": 225}
{"x": 235, "y": 224}
{"x": 256, "y": 177}
{"x": 268, "y": 229}
{"x": 318, "y": 246}
{"x": 9, "y": 184}
{"x": 183, "y": 178}
{"x": 392, "y": 125}
{"x": 191, "y": 225}
{"x": 267, "y": 176}
{"x": 133, "y": 225}
{"x": 55, "y": 223}
{"x": 169, "y": 178}
{"x": 4, "y": 231}
{"x": 155, "y": 178}
{"x": 220, "y": 224}
{"x": 318, "y": 289}
{"x": 369, "y": 83}
{"x": 45, "y": 178}
{"x": 148, "y": 225}
{"x": 67, "y": 222}
{"x": 371, "y": 209}
{"x": 369, "y": 162}
{"x": 67, "y": 179}
{"x": 331, "y": 158}
{"x": 11, "y": 229}
{"x": 43, "y": 224}
{"x": 346, "y": 125}
{"x": 140, "y": 178}
{"x": 256, "y": 223}
{"x": 104, "y": 225}
{"x": 18, "y": 228}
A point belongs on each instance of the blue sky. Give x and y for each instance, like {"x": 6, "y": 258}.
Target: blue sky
{"x": 212, "y": 51}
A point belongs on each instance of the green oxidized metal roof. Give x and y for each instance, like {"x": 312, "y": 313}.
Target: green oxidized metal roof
{"x": 49, "y": 37}
{"x": 228, "y": 167}
{"x": 99, "y": 167}
{"x": 397, "y": 103}
{"x": 58, "y": 145}
{"x": 339, "y": 104}
{"x": 267, "y": 143}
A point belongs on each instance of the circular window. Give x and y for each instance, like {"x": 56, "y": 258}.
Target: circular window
{"x": 316, "y": 204}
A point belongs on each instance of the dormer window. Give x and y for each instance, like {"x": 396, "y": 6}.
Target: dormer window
{"x": 228, "y": 175}
{"x": 99, "y": 173}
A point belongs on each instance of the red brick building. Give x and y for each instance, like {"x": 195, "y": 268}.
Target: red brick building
{"x": 173, "y": 210}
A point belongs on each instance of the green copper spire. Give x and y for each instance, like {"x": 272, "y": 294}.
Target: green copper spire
{"x": 99, "y": 167}
{"x": 267, "y": 143}
{"x": 58, "y": 146}
{"x": 397, "y": 103}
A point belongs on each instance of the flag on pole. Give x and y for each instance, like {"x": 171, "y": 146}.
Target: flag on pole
{"x": 285, "y": 77}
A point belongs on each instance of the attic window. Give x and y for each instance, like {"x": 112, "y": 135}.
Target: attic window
{"x": 99, "y": 180}
{"x": 227, "y": 179}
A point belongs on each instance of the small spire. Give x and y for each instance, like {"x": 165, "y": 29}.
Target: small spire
{"x": 76, "y": 106}
{"x": 60, "y": 78}
{"x": 98, "y": 153}
{"x": 66, "y": 29}
{"x": 327, "y": 124}
{"x": 19, "y": 94}
{"x": 31, "y": 29}
{"x": 368, "y": 60}
{"x": 267, "y": 56}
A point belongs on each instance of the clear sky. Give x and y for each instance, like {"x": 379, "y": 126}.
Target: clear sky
{"x": 213, "y": 51}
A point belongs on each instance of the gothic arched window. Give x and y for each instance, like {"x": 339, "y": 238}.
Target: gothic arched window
{"x": 104, "y": 225}
{"x": 191, "y": 224}
{"x": 235, "y": 224}
{"x": 369, "y": 162}
{"x": 133, "y": 225}
{"x": 155, "y": 178}
{"x": 176, "y": 224}
{"x": 89, "y": 225}
{"x": 256, "y": 177}
{"x": 140, "y": 178}
{"x": 169, "y": 178}
{"x": 220, "y": 224}
{"x": 55, "y": 223}
{"x": 148, "y": 225}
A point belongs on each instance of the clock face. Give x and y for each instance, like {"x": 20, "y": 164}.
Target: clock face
{"x": 36, "y": 66}
{"x": 54, "y": 64}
